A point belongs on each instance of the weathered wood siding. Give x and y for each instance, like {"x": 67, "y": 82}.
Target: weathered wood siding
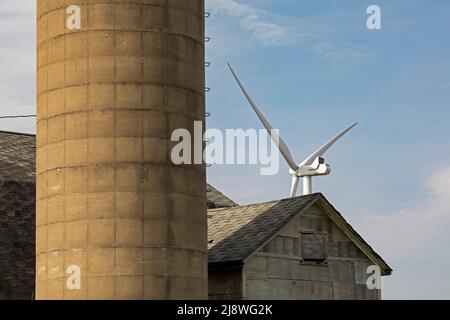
{"x": 277, "y": 271}
{"x": 225, "y": 283}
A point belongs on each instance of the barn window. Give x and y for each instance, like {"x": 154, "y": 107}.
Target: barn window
{"x": 313, "y": 247}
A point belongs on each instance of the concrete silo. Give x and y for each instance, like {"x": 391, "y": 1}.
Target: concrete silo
{"x": 109, "y": 200}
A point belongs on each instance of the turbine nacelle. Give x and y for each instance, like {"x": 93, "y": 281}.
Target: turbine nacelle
{"x": 317, "y": 168}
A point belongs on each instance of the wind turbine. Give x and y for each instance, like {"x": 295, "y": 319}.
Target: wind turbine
{"x": 312, "y": 166}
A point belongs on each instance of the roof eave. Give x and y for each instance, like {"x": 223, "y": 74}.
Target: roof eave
{"x": 233, "y": 263}
{"x": 357, "y": 239}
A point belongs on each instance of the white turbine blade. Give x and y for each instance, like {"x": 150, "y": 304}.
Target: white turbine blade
{"x": 320, "y": 152}
{"x": 275, "y": 137}
{"x": 294, "y": 185}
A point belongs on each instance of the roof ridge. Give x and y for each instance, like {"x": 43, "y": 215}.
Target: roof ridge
{"x": 313, "y": 195}
{"x": 18, "y": 133}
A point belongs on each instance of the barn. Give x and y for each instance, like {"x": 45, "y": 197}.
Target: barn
{"x": 296, "y": 248}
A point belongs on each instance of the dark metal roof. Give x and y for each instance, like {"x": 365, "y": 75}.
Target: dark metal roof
{"x": 17, "y": 239}
{"x": 17, "y": 156}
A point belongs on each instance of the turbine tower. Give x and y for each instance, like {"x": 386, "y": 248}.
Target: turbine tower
{"x": 312, "y": 166}
{"x": 116, "y": 219}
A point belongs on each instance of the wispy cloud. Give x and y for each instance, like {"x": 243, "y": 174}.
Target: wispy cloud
{"x": 339, "y": 53}
{"x": 413, "y": 229}
{"x": 414, "y": 241}
{"x": 271, "y": 30}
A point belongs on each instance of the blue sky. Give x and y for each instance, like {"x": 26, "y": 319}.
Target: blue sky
{"x": 314, "y": 68}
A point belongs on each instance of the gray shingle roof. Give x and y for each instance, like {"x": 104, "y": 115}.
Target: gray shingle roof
{"x": 17, "y": 156}
{"x": 235, "y": 233}
{"x": 217, "y": 199}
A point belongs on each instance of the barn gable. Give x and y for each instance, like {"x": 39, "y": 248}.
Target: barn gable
{"x": 309, "y": 258}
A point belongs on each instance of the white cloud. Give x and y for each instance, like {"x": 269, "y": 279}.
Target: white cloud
{"x": 416, "y": 229}
{"x": 340, "y": 52}
{"x": 271, "y": 30}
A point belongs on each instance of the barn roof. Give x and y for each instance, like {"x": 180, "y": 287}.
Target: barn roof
{"x": 17, "y": 156}
{"x": 17, "y": 163}
{"x": 217, "y": 199}
{"x": 236, "y": 233}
